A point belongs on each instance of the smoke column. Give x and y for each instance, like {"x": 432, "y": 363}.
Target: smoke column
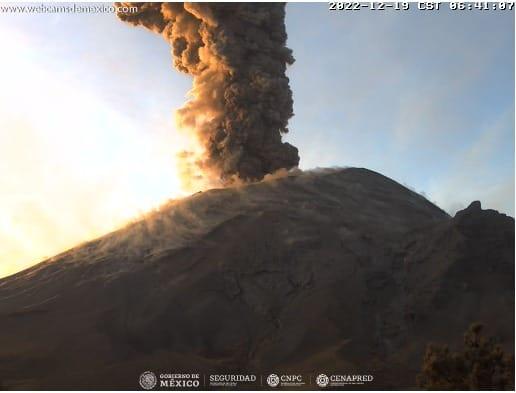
{"x": 241, "y": 99}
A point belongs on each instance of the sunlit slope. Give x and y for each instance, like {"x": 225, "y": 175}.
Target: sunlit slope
{"x": 331, "y": 271}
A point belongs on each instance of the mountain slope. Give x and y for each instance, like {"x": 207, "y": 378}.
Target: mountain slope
{"x": 332, "y": 271}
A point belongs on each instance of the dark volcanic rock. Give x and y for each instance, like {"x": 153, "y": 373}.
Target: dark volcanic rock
{"x": 341, "y": 271}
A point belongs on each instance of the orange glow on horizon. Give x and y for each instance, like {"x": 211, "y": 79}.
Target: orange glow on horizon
{"x": 72, "y": 168}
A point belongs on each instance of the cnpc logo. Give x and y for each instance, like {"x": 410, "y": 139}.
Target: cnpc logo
{"x": 274, "y": 380}
{"x": 291, "y": 378}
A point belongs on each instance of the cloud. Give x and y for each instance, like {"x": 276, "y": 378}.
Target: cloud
{"x": 72, "y": 167}
{"x": 483, "y": 171}
{"x": 405, "y": 94}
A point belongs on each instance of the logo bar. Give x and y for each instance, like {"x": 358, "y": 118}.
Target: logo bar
{"x": 150, "y": 380}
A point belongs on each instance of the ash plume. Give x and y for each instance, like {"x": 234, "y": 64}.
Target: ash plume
{"x": 241, "y": 99}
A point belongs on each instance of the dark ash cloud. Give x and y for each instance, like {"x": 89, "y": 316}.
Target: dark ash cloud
{"x": 241, "y": 99}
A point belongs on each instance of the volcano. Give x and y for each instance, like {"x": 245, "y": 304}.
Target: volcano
{"x": 330, "y": 271}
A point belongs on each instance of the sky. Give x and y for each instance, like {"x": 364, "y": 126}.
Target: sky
{"x": 87, "y": 134}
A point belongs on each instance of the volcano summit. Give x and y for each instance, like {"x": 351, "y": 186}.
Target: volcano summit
{"x": 334, "y": 271}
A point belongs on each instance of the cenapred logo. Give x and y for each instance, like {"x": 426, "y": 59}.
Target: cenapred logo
{"x": 148, "y": 380}
{"x": 336, "y": 380}
{"x": 273, "y": 380}
{"x": 322, "y": 380}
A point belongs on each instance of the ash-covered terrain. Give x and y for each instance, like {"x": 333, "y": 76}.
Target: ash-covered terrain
{"x": 336, "y": 271}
